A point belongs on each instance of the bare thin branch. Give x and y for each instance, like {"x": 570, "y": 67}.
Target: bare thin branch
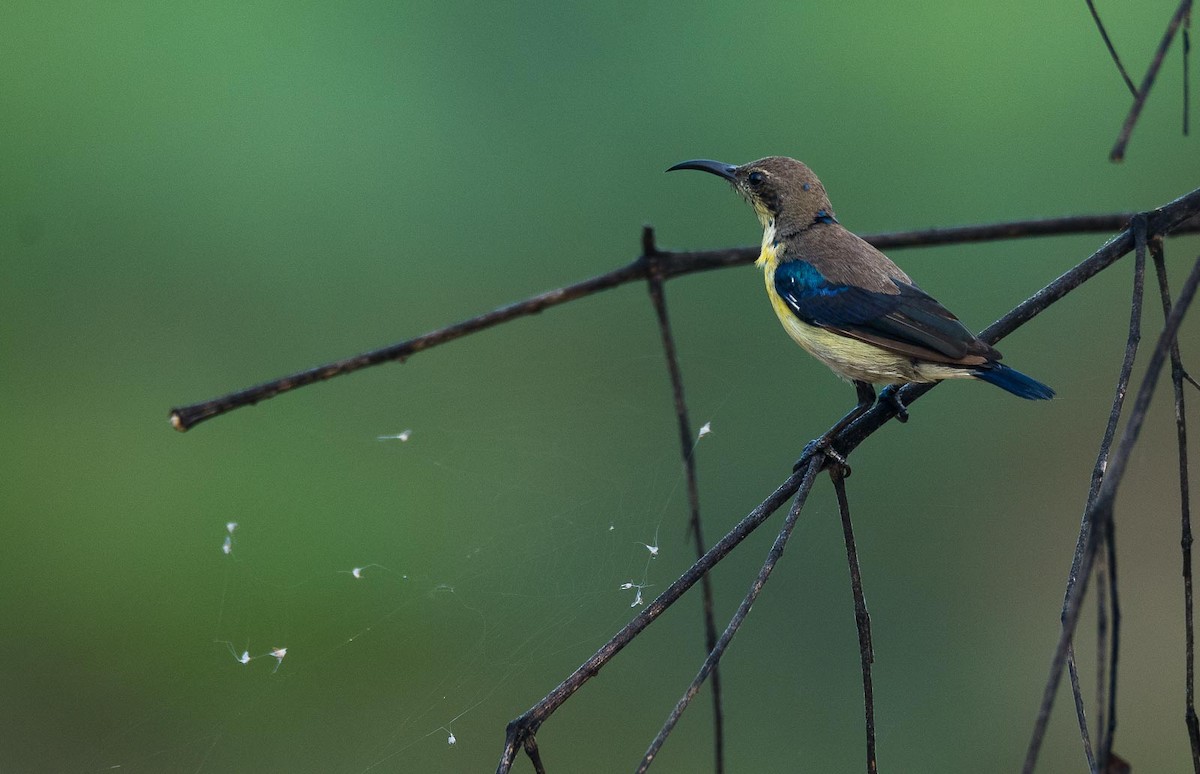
{"x": 1138, "y": 226}
{"x": 1080, "y": 712}
{"x": 1103, "y": 506}
{"x": 1112, "y": 51}
{"x": 674, "y": 264}
{"x": 1139, "y": 99}
{"x": 1114, "y": 649}
{"x": 735, "y": 623}
{"x": 1187, "y": 89}
{"x": 535, "y": 755}
{"x": 862, "y": 619}
{"x": 1100, "y": 571}
{"x": 1185, "y": 515}
{"x": 1110, "y": 635}
{"x": 528, "y": 723}
{"x": 189, "y": 416}
{"x": 687, "y": 445}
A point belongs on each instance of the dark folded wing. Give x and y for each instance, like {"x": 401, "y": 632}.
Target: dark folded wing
{"x": 909, "y": 321}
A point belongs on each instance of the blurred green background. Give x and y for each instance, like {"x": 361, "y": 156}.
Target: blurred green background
{"x": 195, "y": 198}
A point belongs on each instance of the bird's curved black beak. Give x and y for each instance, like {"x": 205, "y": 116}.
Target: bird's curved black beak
{"x": 718, "y": 168}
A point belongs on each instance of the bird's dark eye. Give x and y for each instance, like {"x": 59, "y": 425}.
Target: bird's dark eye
{"x": 755, "y": 178}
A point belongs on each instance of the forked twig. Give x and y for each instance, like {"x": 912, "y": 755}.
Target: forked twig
{"x": 1112, "y": 51}
{"x": 1102, "y": 508}
{"x": 1139, "y": 98}
{"x": 735, "y": 623}
{"x": 531, "y": 720}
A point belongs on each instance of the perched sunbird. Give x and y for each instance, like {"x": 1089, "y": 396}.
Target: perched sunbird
{"x": 845, "y": 302}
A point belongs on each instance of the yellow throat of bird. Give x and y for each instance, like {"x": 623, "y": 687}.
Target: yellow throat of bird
{"x": 768, "y": 257}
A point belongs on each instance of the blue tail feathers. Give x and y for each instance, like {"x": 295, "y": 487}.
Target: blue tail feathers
{"x": 1014, "y": 381}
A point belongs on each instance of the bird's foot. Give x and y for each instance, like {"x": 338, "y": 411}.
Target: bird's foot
{"x": 891, "y": 396}
{"x": 822, "y": 446}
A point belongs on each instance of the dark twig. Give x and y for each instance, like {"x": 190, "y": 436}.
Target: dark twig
{"x": 1187, "y": 93}
{"x": 535, "y": 755}
{"x": 1114, "y": 648}
{"x": 1139, "y": 99}
{"x": 1138, "y": 225}
{"x": 1080, "y": 712}
{"x": 735, "y": 623}
{"x": 1100, "y": 572}
{"x": 1107, "y": 729}
{"x": 687, "y": 445}
{"x": 189, "y": 416}
{"x": 674, "y": 264}
{"x": 862, "y": 618}
{"x": 531, "y": 720}
{"x": 687, "y": 262}
{"x": 1177, "y": 373}
{"x": 1112, "y": 51}
{"x": 1102, "y": 509}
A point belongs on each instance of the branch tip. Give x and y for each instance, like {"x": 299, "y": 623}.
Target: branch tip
{"x": 648, "y": 246}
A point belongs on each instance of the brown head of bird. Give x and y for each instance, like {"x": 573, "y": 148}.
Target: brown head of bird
{"x": 784, "y": 192}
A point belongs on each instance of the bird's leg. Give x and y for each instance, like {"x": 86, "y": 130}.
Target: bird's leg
{"x": 866, "y": 399}
{"x": 891, "y": 396}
